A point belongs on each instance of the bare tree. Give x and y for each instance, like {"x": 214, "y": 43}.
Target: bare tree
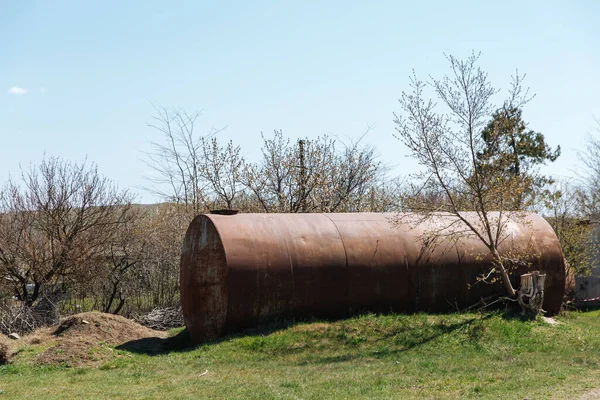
{"x": 164, "y": 229}
{"x": 588, "y": 195}
{"x": 140, "y": 269}
{"x": 119, "y": 276}
{"x": 56, "y": 224}
{"x": 446, "y": 139}
{"x": 178, "y": 159}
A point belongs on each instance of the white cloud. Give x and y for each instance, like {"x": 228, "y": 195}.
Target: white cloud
{"x": 17, "y": 90}
{"x": 43, "y": 90}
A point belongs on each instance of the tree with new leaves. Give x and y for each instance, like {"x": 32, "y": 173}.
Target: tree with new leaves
{"x": 221, "y": 170}
{"x": 575, "y": 230}
{"x": 447, "y": 140}
{"x": 573, "y": 210}
{"x": 312, "y": 175}
{"x": 292, "y": 176}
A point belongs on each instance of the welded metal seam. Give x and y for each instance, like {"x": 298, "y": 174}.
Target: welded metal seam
{"x": 345, "y": 253}
{"x": 285, "y": 236}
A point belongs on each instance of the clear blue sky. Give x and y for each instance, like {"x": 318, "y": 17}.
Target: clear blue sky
{"x": 78, "y": 78}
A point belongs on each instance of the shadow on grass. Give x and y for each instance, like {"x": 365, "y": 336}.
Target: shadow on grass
{"x": 408, "y": 338}
{"x": 182, "y": 342}
{"x": 154, "y": 346}
{"x": 516, "y": 315}
{"x": 401, "y": 338}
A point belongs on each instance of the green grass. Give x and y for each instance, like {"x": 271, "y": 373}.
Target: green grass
{"x": 371, "y": 357}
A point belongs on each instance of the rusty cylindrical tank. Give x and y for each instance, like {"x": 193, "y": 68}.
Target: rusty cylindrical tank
{"x": 237, "y": 270}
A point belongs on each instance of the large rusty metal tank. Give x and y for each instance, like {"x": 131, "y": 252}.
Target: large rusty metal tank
{"x": 238, "y": 270}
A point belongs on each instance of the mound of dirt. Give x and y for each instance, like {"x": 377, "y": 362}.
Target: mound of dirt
{"x": 87, "y": 339}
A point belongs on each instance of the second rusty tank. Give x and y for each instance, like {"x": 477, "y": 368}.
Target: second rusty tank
{"x": 238, "y": 270}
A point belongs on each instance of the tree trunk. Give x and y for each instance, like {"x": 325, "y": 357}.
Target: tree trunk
{"x": 504, "y": 274}
{"x": 30, "y": 298}
{"x": 531, "y": 292}
{"x": 120, "y": 306}
{"x": 111, "y": 299}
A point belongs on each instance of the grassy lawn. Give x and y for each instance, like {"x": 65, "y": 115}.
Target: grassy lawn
{"x": 371, "y": 357}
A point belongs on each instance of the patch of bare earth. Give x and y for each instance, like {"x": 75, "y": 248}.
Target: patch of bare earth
{"x": 593, "y": 395}
{"x": 87, "y": 339}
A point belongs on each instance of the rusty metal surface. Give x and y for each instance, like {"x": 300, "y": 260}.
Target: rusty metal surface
{"x": 237, "y": 270}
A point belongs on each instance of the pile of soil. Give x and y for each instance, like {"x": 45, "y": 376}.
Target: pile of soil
{"x": 87, "y": 339}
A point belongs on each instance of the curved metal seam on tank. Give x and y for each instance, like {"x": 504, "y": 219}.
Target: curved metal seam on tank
{"x": 341, "y": 237}
{"x": 345, "y": 253}
{"x": 285, "y": 236}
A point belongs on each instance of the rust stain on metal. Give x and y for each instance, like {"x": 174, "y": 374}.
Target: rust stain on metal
{"x": 238, "y": 270}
